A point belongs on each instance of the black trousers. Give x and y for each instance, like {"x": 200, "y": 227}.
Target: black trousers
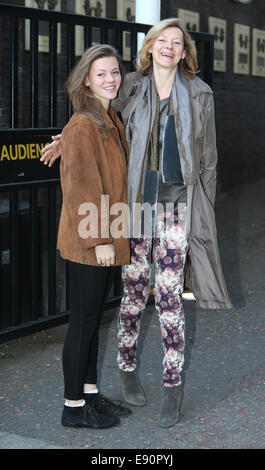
{"x": 89, "y": 287}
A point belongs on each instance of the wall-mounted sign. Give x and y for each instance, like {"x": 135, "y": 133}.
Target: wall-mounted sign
{"x": 241, "y": 48}
{"x": 89, "y": 8}
{"x": 20, "y": 153}
{"x": 126, "y": 12}
{"x": 190, "y": 19}
{"x": 258, "y": 52}
{"x": 43, "y": 25}
{"x": 217, "y": 27}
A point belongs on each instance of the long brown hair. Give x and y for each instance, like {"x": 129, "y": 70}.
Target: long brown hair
{"x": 189, "y": 63}
{"x": 81, "y": 96}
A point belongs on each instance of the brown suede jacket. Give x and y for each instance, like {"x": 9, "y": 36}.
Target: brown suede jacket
{"x": 91, "y": 167}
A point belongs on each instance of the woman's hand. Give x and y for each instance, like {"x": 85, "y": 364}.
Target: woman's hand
{"x": 105, "y": 254}
{"x": 51, "y": 151}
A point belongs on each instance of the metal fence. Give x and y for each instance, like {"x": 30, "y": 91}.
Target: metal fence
{"x": 34, "y": 106}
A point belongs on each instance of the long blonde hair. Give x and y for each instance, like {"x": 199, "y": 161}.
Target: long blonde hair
{"x": 189, "y": 63}
{"x": 81, "y": 96}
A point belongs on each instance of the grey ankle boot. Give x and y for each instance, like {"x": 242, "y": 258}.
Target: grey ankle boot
{"x": 170, "y": 411}
{"x": 131, "y": 390}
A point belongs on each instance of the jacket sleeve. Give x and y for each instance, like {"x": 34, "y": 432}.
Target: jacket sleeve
{"x": 82, "y": 188}
{"x": 209, "y": 152}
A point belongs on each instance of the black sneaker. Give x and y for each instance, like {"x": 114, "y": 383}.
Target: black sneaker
{"x": 87, "y": 416}
{"x": 107, "y": 406}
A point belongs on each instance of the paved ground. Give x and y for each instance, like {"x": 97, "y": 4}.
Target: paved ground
{"x": 224, "y": 375}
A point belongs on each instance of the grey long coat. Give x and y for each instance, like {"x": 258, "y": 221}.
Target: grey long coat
{"x": 204, "y": 274}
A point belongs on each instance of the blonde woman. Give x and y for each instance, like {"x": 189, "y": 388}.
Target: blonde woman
{"x": 170, "y": 128}
{"x": 93, "y": 164}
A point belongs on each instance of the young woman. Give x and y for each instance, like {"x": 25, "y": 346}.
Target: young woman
{"x": 93, "y": 165}
{"x": 170, "y": 128}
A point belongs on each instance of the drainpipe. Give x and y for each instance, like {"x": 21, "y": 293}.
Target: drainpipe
{"x": 146, "y": 12}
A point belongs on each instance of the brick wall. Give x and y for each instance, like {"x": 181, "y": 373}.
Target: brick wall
{"x": 239, "y": 99}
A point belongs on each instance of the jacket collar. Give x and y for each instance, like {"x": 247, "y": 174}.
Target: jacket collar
{"x": 112, "y": 118}
{"x": 114, "y": 122}
{"x": 109, "y": 116}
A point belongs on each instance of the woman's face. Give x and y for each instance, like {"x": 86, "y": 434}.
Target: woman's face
{"x": 168, "y": 48}
{"x": 104, "y": 79}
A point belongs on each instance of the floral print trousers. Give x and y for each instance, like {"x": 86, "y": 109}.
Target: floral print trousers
{"x": 169, "y": 247}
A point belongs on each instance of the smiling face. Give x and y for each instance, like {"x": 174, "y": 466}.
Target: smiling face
{"x": 104, "y": 79}
{"x": 168, "y": 48}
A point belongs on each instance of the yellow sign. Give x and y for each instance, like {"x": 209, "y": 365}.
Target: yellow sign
{"x": 20, "y": 152}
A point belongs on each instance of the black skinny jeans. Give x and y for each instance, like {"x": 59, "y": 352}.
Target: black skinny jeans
{"x": 89, "y": 287}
